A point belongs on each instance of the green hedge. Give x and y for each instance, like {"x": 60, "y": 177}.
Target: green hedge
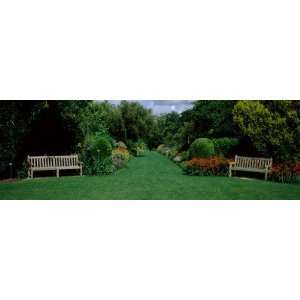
{"x": 202, "y": 147}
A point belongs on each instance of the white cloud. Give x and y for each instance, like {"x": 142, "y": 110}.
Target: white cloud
{"x": 162, "y": 106}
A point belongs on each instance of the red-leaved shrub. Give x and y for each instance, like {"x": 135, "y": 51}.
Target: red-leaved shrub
{"x": 206, "y": 166}
{"x": 284, "y": 172}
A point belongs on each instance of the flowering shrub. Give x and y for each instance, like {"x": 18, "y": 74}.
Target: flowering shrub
{"x": 172, "y": 152}
{"x": 285, "y": 172}
{"x": 162, "y": 149}
{"x": 120, "y": 157}
{"x": 178, "y": 158}
{"x": 121, "y": 144}
{"x": 104, "y": 167}
{"x": 206, "y": 166}
{"x": 181, "y": 156}
{"x": 138, "y": 148}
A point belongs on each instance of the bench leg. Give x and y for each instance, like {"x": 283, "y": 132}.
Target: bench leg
{"x": 57, "y": 172}
{"x": 81, "y": 171}
{"x": 230, "y": 172}
{"x": 266, "y": 176}
{"x": 28, "y": 173}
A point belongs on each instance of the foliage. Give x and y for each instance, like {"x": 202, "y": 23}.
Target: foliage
{"x": 22, "y": 173}
{"x": 96, "y": 155}
{"x": 120, "y": 157}
{"x": 184, "y": 155}
{"x": 181, "y": 156}
{"x": 37, "y": 128}
{"x": 99, "y": 145}
{"x": 140, "y": 149}
{"x": 285, "y": 173}
{"x": 215, "y": 166}
{"x": 169, "y": 125}
{"x": 96, "y": 117}
{"x": 206, "y": 118}
{"x": 225, "y": 146}
{"x": 167, "y": 150}
{"x": 161, "y": 148}
{"x": 172, "y": 153}
{"x": 104, "y": 166}
{"x": 15, "y": 119}
{"x": 135, "y": 122}
{"x": 272, "y": 126}
{"x": 202, "y": 147}
{"x": 266, "y": 128}
{"x": 121, "y": 144}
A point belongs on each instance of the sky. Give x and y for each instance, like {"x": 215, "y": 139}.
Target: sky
{"x": 163, "y": 106}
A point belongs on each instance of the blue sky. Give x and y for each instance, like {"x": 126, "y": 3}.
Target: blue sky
{"x": 163, "y": 106}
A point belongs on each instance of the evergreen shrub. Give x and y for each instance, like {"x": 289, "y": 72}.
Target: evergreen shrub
{"x": 225, "y": 146}
{"x": 96, "y": 155}
{"x": 202, "y": 147}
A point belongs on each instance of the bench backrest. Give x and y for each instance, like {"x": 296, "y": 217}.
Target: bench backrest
{"x": 53, "y": 161}
{"x": 253, "y": 162}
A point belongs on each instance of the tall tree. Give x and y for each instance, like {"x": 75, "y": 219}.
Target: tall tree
{"x": 272, "y": 126}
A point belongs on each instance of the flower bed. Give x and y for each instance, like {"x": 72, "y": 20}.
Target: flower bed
{"x": 288, "y": 173}
{"x": 216, "y": 166}
{"x": 120, "y": 157}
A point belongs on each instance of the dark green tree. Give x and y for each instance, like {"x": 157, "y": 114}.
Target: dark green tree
{"x": 272, "y": 126}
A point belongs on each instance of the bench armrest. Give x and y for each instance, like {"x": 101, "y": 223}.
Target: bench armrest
{"x": 80, "y": 163}
{"x": 231, "y": 164}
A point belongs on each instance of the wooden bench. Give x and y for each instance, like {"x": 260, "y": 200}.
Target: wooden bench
{"x": 251, "y": 164}
{"x": 55, "y": 163}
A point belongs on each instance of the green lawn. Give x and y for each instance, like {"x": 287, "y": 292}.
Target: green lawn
{"x": 149, "y": 177}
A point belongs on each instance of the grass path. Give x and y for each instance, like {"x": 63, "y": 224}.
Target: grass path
{"x": 149, "y": 177}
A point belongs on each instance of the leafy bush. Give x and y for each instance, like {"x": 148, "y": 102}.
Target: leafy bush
{"x": 104, "y": 166}
{"x": 121, "y": 144}
{"x": 96, "y": 155}
{"x": 120, "y": 157}
{"x": 214, "y": 166}
{"x": 181, "y": 156}
{"x": 172, "y": 152}
{"x": 184, "y": 155}
{"x": 225, "y": 146}
{"x": 163, "y": 149}
{"x": 139, "y": 148}
{"x": 285, "y": 173}
{"x": 202, "y": 147}
{"x": 272, "y": 126}
{"x": 22, "y": 173}
{"x": 160, "y": 148}
{"x": 98, "y": 146}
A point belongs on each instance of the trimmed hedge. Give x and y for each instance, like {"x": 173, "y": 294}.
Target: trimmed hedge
{"x": 202, "y": 147}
